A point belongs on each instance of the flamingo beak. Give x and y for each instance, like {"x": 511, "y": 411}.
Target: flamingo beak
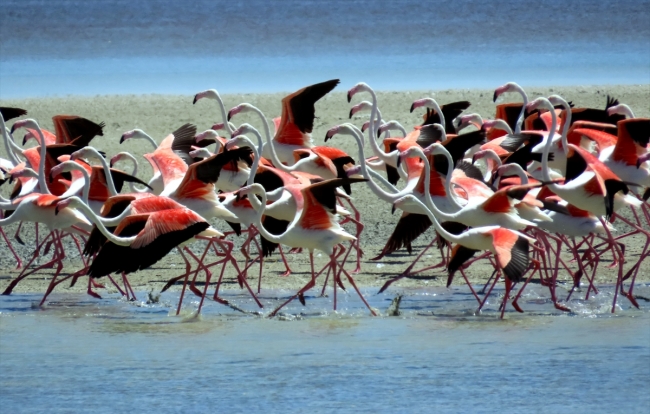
{"x": 350, "y": 96}
{"x": 351, "y": 113}
{"x": 25, "y": 139}
{"x": 13, "y": 128}
{"x": 122, "y": 139}
{"x": 56, "y": 210}
{"x": 196, "y": 98}
{"x": 392, "y": 211}
{"x": 412, "y": 107}
{"x": 495, "y": 97}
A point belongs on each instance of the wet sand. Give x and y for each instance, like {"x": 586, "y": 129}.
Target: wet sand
{"x": 158, "y": 115}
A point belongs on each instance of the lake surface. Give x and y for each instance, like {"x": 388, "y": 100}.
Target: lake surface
{"x": 82, "y": 354}
{"x": 60, "y": 47}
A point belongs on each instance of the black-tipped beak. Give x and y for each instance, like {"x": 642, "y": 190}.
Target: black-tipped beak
{"x": 473, "y": 159}
{"x": 122, "y": 139}
{"x": 327, "y": 137}
{"x": 25, "y": 140}
{"x": 13, "y": 128}
{"x": 495, "y": 96}
{"x": 351, "y": 113}
{"x": 11, "y": 178}
{"x": 364, "y": 127}
{"x": 412, "y": 107}
{"x": 349, "y": 97}
{"x": 195, "y": 99}
{"x": 110, "y": 164}
{"x": 392, "y": 211}
{"x": 56, "y": 210}
{"x": 229, "y": 115}
{"x": 378, "y": 133}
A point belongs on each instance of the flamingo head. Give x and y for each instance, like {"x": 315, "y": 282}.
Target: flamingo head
{"x": 365, "y": 126}
{"x": 85, "y": 152}
{"x": 238, "y": 140}
{"x": 207, "y": 134}
{"x": 508, "y": 87}
{"x": 134, "y": 133}
{"x": 200, "y": 153}
{"x": 620, "y": 109}
{"x": 332, "y": 131}
{"x": 539, "y": 103}
{"x": 65, "y": 203}
{"x": 116, "y": 158}
{"x": 557, "y": 100}
{"x": 402, "y": 202}
{"x": 410, "y": 152}
{"x": 243, "y": 130}
{"x": 359, "y": 87}
{"x": 219, "y": 126}
{"x": 210, "y": 94}
{"x": 64, "y": 167}
{"x": 479, "y": 155}
{"x": 361, "y": 106}
{"x": 22, "y": 172}
{"x": 29, "y": 135}
{"x": 24, "y": 123}
{"x": 241, "y": 108}
{"x": 249, "y": 189}
{"x": 420, "y": 103}
{"x": 496, "y": 124}
{"x": 463, "y": 121}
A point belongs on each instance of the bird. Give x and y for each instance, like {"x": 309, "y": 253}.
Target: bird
{"x": 314, "y": 228}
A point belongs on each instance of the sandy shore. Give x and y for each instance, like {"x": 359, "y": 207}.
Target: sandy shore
{"x": 159, "y": 115}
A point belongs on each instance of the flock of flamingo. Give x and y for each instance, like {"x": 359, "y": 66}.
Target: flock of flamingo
{"x": 530, "y": 191}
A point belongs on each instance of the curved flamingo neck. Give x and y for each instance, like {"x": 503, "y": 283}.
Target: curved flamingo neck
{"x": 86, "y": 187}
{"x": 427, "y": 177}
{"x": 388, "y": 197}
{"x": 222, "y": 109}
{"x": 257, "y": 189}
{"x": 433, "y": 104}
{"x": 76, "y": 202}
{"x": 7, "y": 137}
{"x": 256, "y": 162}
{"x": 41, "y": 164}
{"x": 107, "y": 170}
{"x": 516, "y": 168}
{"x": 372, "y": 133}
{"x": 134, "y": 173}
{"x": 147, "y": 137}
{"x": 547, "y": 148}
{"x": 520, "y": 119}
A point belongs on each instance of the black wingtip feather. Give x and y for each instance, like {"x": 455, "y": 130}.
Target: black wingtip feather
{"x": 519, "y": 260}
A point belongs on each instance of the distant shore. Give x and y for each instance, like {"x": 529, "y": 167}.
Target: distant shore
{"x": 159, "y": 115}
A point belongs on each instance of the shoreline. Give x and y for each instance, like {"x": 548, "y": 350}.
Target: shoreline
{"x": 158, "y": 115}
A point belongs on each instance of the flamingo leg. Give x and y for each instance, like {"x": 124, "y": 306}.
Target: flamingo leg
{"x": 11, "y": 248}
{"x": 301, "y": 292}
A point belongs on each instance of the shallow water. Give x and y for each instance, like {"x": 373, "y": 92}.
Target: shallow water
{"x": 110, "y": 355}
{"x": 59, "y": 47}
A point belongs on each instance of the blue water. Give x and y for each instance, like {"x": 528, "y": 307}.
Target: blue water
{"x": 59, "y": 47}
{"x": 82, "y": 354}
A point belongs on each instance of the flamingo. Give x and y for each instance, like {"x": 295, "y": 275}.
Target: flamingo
{"x": 297, "y": 120}
{"x": 510, "y": 248}
{"x": 314, "y": 228}
{"x": 589, "y": 186}
{"x": 39, "y": 207}
{"x": 141, "y": 240}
